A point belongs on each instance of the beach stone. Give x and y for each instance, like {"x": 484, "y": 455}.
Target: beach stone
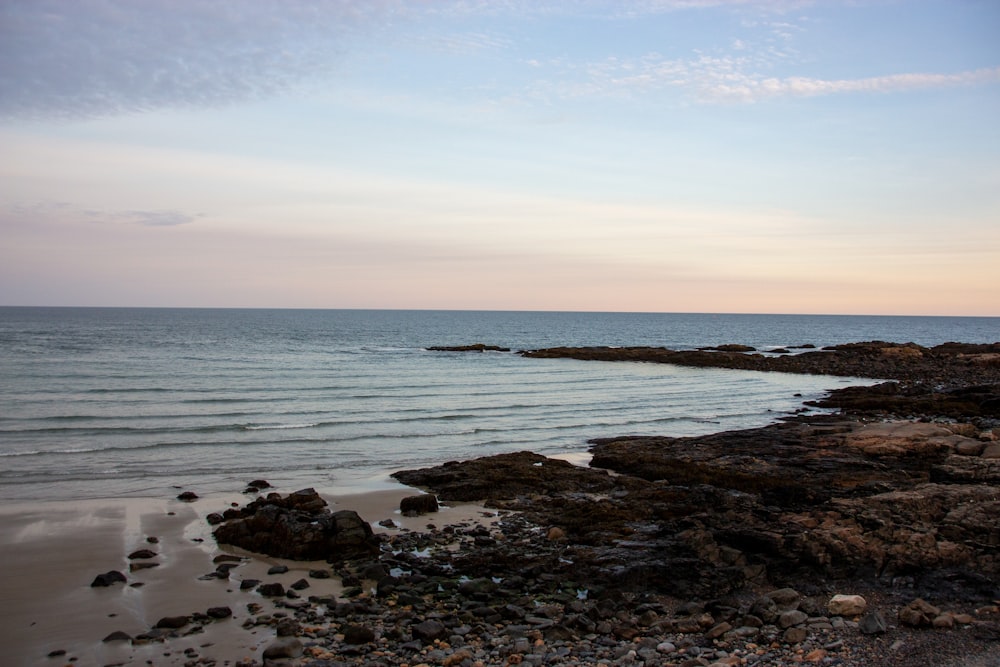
{"x": 424, "y": 503}
{"x": 108, "y": 578}
{"x": 428, "y": 631}
{"x": 272, "y": 590}
{"x": 219, "y": 612}
{"x": 118, "y": 636}
{"x": 247, "y": 584}
{"x": 188, "y": 496}
{"x": 142, "y": 554}
{"x": 283, "y": 647}
{"x": 214, "y": 519}
{"x": 358, "y": 634}
{"x": 172, "y": 622}
{"x": 918, "y": 614}
{"x": 846, "y": 605}
{"x": 791, "y": 618}
{"x": 300, "y": 585}
{"x": 795, "y": 635}
{"x": 277, "y": 569}
{"x": 786, "y": 599}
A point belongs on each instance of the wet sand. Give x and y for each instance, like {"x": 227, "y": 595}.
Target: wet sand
{"x": 51, "y": 552}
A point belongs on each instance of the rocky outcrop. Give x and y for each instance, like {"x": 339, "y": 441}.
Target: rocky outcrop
{"x": 953, "y": 364}
{"x": 787, "y": 504}
{"x": 475, "y": 347}
{"x": 297, "y": 526}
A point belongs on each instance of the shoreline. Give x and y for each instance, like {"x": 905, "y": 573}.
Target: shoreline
{"x": 698, "y": 553}
{"x": 52, "y": 550}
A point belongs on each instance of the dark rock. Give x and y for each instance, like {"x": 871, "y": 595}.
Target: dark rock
{"x": 475, "y": 347}
{"x": 299, "y": 527}
{"x": 300, "y": 585}
{"x": 142, "y": 553}
{"x": 260, "y": 484}
{"x": 247, "y": 584}
{"x": 173, "y": 622}
{"x": 277, "y": 569}
{"x": 214, "y": 519}
{"x": 288, "y": 627}
{"x": 272, "y": 590}
{"x": 873, "y": 623}
{"x": 188, "y": 496}
{"x": 429, "y": 630}
{"x": 357, "y": 634}
{"x": 416, "y": 505}
{"x": 283, "y": 647}
{"x": 108, "y": 578}
{"x": 219, "y": 612}
{"x": 118, "y": 636}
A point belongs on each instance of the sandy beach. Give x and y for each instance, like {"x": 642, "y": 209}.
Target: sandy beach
{"x": 51, "y": 553}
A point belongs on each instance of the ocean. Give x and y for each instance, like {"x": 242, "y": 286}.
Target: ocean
{"x": 132, "y": 402}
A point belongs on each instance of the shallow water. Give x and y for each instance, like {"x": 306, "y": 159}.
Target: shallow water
{"x": 133, "y": 402}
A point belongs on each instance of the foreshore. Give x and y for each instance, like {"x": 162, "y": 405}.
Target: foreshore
{"x": 721, "y": 550}
{"x": 52, "y": 551}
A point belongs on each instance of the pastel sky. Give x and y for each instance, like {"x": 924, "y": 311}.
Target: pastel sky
{"x": 759, "y": 156}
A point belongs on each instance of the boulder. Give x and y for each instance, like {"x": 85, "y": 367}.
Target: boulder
{"x": 424, "y": 503}
{"x": 846, "y": 605}
{"x": 358, "y": 634}
{"x": 873, "y": 623}
{"x": 298, "y": 527}
{"x": 429, "y": 630}
{"x": 918, "y": 614}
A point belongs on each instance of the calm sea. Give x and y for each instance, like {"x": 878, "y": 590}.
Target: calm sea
{"x": 99, "y": 402}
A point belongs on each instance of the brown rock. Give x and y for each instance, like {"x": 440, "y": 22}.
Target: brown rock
{"x": 918, "y": 614}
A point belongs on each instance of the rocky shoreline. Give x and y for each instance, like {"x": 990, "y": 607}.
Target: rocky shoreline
{"x": 865, "y": 537}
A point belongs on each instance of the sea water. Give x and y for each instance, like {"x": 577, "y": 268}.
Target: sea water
{"x": 109, "y": 402}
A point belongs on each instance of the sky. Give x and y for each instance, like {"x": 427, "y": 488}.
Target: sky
{"x": 754, "y": 156}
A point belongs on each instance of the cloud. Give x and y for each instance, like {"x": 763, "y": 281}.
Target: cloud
{"x": 86, "y": 58}
{"x": 753, "y": 89}
{"x": 156, "y": 218}
{"x": 733, "y": 79}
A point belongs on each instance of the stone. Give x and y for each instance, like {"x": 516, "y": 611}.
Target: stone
{"x": 791, "y": 618}
{"x": 277, "y": 569}
{"x": 142, "y": 554}
{"x": 795, "y": 635}
{"x": 785, "y": 598}
{"x": 429, "y": 630}
{"x": 918, "y": 614}
{"x": 272, "y": 590}
{"x": 300, "y": 585}
{"x": 846, "y": 605}
{"x": 299, "y": 527}
{"x": 219, "y": 612}
{"x": 118, "y": 636}
{"x": 718, "y": 630}
{"x": 283, "y": 647}
{"x": 172, "y": 622}
{"x": 424, "y": 503}
{"x": 108, "y": 578}
{"x": 188, "y": 496}
{"x": 358, "y": 634}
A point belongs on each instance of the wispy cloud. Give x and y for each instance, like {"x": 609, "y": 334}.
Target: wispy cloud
{"x": 93, "y": 58}
{"x": 738, "y": 78}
